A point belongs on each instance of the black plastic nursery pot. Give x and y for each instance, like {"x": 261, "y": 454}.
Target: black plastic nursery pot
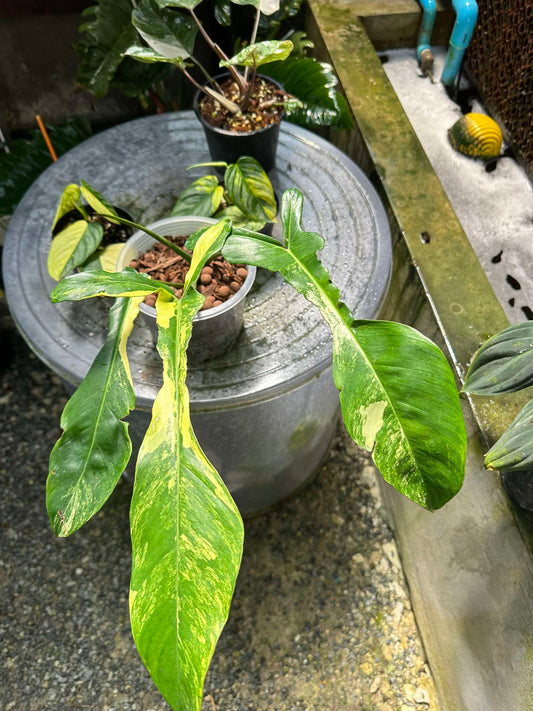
{"x": 228, "y": 146}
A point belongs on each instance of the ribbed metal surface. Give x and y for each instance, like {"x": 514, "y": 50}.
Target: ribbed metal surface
{"x": 141, "y": 167}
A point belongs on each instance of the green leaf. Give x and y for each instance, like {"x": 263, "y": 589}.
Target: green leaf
{"x": 202, "y": 197}
{"x": 89, "y": 458}
{"x": 222, "y": 12}
{"x": 313, "y": 83}
{"x": 504, "y": 364}
{"x": 239, "y": 218}
{"x": 260, "y": 53}
{"x": 171, "y": 34}
{"x": 106, "y": 37}
{"x": 98, "y": 203}
{"x": 104, "y": 259}
{"x": 249, "y": 187}
{"x": 134, "y": 78}
{"x": 254, "y": 3}
{"x": 68, "y": 201}
{"x": 28, "y": 158}
{"x": 72, "y": 246}
{"x": 514, "y": 450}
{"x": 150, "y": 56}
{"x": 398, "y": 394}
{"x": 185, "y": 4}
{"x": 186, "y": 531}
{"x": 85, "y": 285}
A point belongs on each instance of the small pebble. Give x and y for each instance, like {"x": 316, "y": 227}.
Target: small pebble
{"x": 150, "y": 299}
{"x": 234, "y": 286}
{"x": 205, "y": 278}
{"x": 242, "y": 272}
{"x": 207, "y": 270}
{"x": 223, "y": 291}
{"x": 217, "y": 302}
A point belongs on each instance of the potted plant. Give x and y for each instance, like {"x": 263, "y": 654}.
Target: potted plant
{"x": 398, "y": 399}
{"x": 113, "y": 39}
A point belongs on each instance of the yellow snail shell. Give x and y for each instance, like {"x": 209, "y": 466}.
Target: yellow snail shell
{"x": 477, "y": 136}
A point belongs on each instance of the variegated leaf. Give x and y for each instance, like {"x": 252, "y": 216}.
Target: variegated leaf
{"x": 72, "y": 246}
{"x": 260, "y": 53}
{"x": 202, "y": 197}
{"x": 88, "y": 284}
{"x": 249, "y": 187}
{"x": 69, "y": 198}
{"x": 105, "y": 259}
{"x": 398, "y": 394}
{"x": 98, "y": 203}
{"x": 87, "y": 461}
{"x": 514, "y": 450}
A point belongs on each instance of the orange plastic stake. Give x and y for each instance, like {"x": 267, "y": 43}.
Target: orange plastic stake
{"x": 46, "y": 137}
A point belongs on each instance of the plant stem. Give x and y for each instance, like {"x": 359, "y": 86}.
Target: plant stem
{"x": 253, "y": 38}
{"x": 219, "y": 52}
{"x": 204, "y": 71}
{"x": 79, "y": 207}
{"x": 182, "y": 253}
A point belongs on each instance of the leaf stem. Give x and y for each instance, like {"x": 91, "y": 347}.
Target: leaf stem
{"x": 182, "y": 253}
{"x": 219, "y": 52}
{"x": 253, "y": 37}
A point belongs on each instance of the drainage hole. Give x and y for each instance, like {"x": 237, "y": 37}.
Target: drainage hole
{"x": 425, "y": 237}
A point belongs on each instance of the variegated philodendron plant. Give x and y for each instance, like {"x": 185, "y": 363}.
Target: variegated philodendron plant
{"x": 398, "y": 399}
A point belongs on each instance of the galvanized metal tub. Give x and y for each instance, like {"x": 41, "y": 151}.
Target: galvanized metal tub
{"x": 265, "y": 411}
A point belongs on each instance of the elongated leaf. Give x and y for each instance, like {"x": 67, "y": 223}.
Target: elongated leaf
{"x": 69, "y": 198}
{"x": 514, "y": 450}
{"x": 249, "y": 187}
{"x": 105, "y": 259}
{"x": 72, "y": 246}
{"x": 87, "y": 461}
{"x": 150, "y": 56}
{"x": 187, "y": 533}
{"x": 98, "y": 203}
{"x": 398, "y": 394}
{"x": 313, "y": 83}
{"x": 202, "y": 197}
{"x": 504, "y": 364}
{"x": 85, "y": 285}
{"x": 239, "y": 218}
{"x": 107, "y": 35}
{"x": 169, "y": 33}
{"x": 260, "y": 53}
{"x": 254, "y": 3}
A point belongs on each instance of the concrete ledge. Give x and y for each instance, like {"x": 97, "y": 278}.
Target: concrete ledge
{"x": 469, "y": 566}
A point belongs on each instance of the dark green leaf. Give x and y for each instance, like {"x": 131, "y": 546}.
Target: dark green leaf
{"x": 170, "y": 33}
{"x": 260, "y": 53}
{"x": 185, "y": 4}
{"x": 73, "y": 246}
{"x": 223, "y": 12}
{"x": 202, "y": 197}
{"x": 504, "y": 364}
{"x": 254, "y": 3}
{"x": 313, "y": 83}
{"x": 106, "y": 37}
{"x": 514, "y": 449}
{"x": 133, "y": 78}
{"x": 398, "y": 393}
{"x": 28, "y": 158}
{"x": 249, "y": 187}
{"x": 88, "y": 460}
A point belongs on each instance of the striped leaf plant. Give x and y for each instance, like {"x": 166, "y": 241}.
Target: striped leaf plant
{"x": 398, "y": 399}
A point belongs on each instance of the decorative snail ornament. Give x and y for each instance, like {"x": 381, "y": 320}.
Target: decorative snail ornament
{"x": 477, "y": 136}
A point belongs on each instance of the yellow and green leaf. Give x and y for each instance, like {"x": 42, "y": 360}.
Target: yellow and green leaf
{"x": 98, "y": 203}
{"x": 73, "y": 246}
{"x": 202, "y": 197}
{"x": 87, "y": 461}
{"x": 104, "y": 259}
{"x": 249, "y": 187}
{"x": 69, "y": 199}
{"x": 397, "y": 391}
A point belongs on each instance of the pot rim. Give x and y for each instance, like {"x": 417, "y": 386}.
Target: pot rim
{"x": 172, "y": 222}
{"x": 225, "y": 131}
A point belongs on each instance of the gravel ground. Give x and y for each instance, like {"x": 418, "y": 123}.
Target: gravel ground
{"x": 321, "y": 617}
